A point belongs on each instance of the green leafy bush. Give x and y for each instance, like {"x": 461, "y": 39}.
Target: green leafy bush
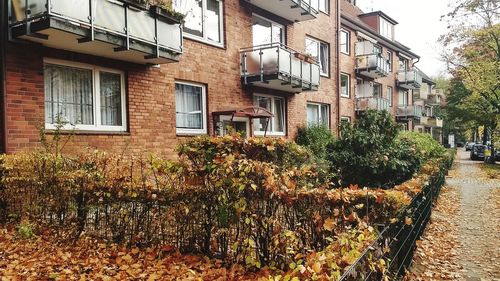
{"x": 316, "y": 138}
{"x": 368, "y": 154}
{"x": 425, "y": 146}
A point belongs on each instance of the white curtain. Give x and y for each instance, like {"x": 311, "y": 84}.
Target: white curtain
{"x": 68, "y": 93}
{"x": 111, "y": 106}
{"x": 188, "y": 102}
{"x": 324, "y": 58}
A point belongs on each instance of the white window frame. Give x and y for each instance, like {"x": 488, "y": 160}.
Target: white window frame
{"x": 386, "y": 28}
{"x": 234, "y": 119}
{"x": 273, "y": 23}
{"x": 391, "y": 96}
{"x": 327, "y": 118}
{"x": 324, "y": 74}
{"x": 202, "y": 131}
{"x": 348, "y": 85}
{"x": 272, "y": 119}
{"x": 345, "y": 119}
{"x": 96, "y": 101}
{"x": 348, "y": 41}
{"x": 327, "y": 6}
{"x": 205, "y": 39}
{"x": 390, "y": 56}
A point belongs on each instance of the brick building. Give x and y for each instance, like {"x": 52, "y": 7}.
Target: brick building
{"x": 129, "y": 76}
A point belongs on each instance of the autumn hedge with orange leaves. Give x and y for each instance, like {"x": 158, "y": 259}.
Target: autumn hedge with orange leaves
{"x": 257, "y": 202}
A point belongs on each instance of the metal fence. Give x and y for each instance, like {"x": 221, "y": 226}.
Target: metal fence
{"x": 396, "y": 242}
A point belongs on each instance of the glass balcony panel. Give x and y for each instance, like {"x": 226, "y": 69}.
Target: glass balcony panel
{"x": 315, "y": 74}
{"x": 253, "y": 62}
{"x": 141, "y": 25}
{"x": 269, "y": 60}
{"x": 296, "y": 64}
{"x": 284, "y": 63}
{"x": 306, "y": 72}
{"x": 169, "y": 35}
{"x": 110, "y": 16}
{"x": 74, "y": 9}
{"x": 364, "y": 48}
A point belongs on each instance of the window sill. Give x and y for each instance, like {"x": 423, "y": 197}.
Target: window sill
{"x": 346, "y": 97}
{"x": 344, "y": 53}
{"x": 268, "y": 134}
{"x": 206, "y": 42}
{"x": 183, "y": 133}
{"x": 87, "y": 132}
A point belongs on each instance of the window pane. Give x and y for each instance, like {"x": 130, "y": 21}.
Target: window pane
{"x": 193, "y": 11}
{"x": 260, "y": 124}
{"x": 325, "y": 112}
{"x": 344, "y": 85}
{"x": 189, "y": 106}
{"x": 111, "y": 103}
{"x": 261, "y": 31}
{"x": 324, "y": 58}
{"x": 389, "y": 95}
{"x": 377, "y": 90}
{"x": 213, "y": 20}
{"x": 323, "y": 5}
{"x": 279, "y": 116}
{"x": 68, "y": 93}
{"x": 312, "y": 48}
{"x": 312, "y": 114}
{"x": 277, "y": 36}
{"x": 344, "y": 42}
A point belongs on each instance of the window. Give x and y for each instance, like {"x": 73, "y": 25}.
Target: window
{"x": 377, "y": 90}
{"x": 265, "y": 31}
{"x": 190, "y": 108}
{"x": 345, "y": 42}
{"x": 345, "y": 84}
{"x": 86, "y": 97}
{"x": 402, "y": 98}
{"x": 319, "y": 51}
{"x": 389, "y": 60}
{"x": 377, "y": 50}
{"x": 345, "y": 119}
{"x": 203, "y": 19}
{"x": 386, "y": 28}
{"x": 276, "y": 105}
{"x": 389, "y": 95}
{"x": 318, "y": 114}
{"x": 324, "y": 6}
{"x": 403, "y": 64}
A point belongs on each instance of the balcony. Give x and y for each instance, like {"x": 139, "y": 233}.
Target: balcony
{"x": 420, "y": 94}
{"x": 432, "y": 121}
{"x": 120, "y": 30}
{"x": 375, "y": 103}
{"x": 368, "y": 63}
{"x": 410, "y": 79}
{"x": 292, "y": 10}
{"x": 275, "y": 66}
{"x": 406, "y": 112}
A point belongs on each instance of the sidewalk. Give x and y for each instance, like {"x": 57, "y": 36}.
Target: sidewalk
{"x": 462, "y": 241}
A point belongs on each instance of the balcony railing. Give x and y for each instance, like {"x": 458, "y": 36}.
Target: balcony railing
{"x": 117, "y": 29}
{"x": 431, "y": 121}
{"x": 275, "y": 66}
{"x": 292, "y": 10}
{"x": 434, "y": 99}
{"x": 409, "y": 111}
{"x": 409, "y": 79}
{"x": 375, "y": 103}
{"x": 368, "y": 62}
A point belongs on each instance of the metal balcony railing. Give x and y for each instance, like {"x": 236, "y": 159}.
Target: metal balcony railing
{"x": 279, "y": 67}
{"x": 373, "y": 66}
{"x": 118, "y": 29}
{"x": 292, "y": 10}
{"x": 409, "y": 79}
{"x": 375, "y": 103}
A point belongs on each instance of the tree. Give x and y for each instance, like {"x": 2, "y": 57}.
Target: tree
{"x": 472, "y": 51}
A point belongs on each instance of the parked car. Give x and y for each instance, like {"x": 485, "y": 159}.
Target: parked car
{"x": 468, "y": 146}
{"x": 477, "y": 152}
{"x": 460, "y": 144}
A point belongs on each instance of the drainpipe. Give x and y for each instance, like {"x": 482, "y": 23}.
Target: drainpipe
{"x": 337, "y": 59}
{"x": 3, "y": 94}
{"x": 418, "y": 59}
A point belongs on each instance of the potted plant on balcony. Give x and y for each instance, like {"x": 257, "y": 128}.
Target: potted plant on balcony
{"x": 300, "y": 56}
{"x": 164, "y": 9}
{"x": 309, "y": 58}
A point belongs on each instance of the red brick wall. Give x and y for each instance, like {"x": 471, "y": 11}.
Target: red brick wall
{"x": 151, "y": 90}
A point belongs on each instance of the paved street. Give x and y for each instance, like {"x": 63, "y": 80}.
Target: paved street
{"x": 462, "y": 242}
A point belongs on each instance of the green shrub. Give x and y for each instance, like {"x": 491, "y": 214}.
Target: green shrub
{"x": 368, "y": 154}
{"x": 25, "y": 231}
{"x": 426, "y": 146}
{"x": 316, "y": 138}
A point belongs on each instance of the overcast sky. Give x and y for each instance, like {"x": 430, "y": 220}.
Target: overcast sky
{"x": 419, "y": 27}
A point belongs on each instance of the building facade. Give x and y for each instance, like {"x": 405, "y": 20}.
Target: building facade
{"x": 124, "y": 76}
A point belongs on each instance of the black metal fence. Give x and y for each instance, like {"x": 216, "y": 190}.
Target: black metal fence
{"x": 393, "y": 249}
